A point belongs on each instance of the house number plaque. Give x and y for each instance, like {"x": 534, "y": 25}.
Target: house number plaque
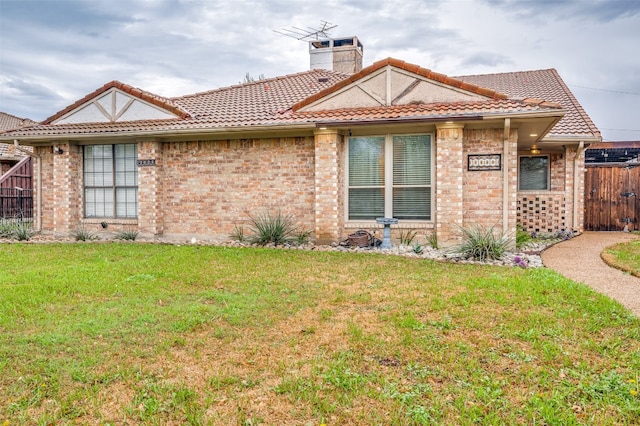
{"x": 484, "y": 162}
{"x": 149, "y": 162}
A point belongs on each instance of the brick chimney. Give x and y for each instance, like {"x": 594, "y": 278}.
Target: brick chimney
{"x": 337, "y": 54}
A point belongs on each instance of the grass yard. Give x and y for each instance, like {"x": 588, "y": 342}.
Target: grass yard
{"x": 625, "y": 256}
{"x": 157, "y": 334}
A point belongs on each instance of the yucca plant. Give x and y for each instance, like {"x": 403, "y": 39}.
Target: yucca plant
{"x": 127, "y": 234}
{"x": 272, "y": 228}
{"x": 480, "y": 243}
{"x": 82, "y": 234}
{"x": 407, "y": 236}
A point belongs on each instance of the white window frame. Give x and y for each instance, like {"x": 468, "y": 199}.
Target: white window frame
{"x": 388, "y": 177}
{"x": 548, "y": 188}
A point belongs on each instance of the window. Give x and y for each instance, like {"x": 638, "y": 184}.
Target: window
{"x": 534, "y": 173}
{"x": 111, "y": 180}
{"x": 402, "y": 190}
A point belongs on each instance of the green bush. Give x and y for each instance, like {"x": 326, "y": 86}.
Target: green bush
{"x": 407, "y": 236}
{"x": 269, "y": 228}
{"x": 522, "y": 236}
{"x": 127, "y": 234}
{"x": 82, "y": 234}
{"x": 480, "y": 243}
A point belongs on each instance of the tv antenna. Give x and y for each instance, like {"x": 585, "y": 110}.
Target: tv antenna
{"x": 309, "y": 33}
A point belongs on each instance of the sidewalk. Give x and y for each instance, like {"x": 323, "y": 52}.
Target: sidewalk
{"x": 579, "y": 259}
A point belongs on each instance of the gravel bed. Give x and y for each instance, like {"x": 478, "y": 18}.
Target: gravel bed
{"x": 527, "y": 256}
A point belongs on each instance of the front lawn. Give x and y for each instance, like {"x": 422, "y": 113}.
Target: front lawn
{"x": 625, "y": 256}
{"x": 120, "y": 333}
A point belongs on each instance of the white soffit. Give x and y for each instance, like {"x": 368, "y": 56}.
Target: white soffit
{"x": 114, "y": 106}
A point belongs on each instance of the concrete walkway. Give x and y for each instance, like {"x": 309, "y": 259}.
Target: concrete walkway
{"x": 579, "y": 259}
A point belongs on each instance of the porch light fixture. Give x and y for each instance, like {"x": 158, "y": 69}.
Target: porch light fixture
{"x": 57, "y": 150}
{"x": 534, "y": 150}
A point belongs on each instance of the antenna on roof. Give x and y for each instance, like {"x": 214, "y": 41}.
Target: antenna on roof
{"x": 309, "y": 33}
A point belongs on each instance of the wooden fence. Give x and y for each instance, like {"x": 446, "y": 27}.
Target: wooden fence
{"x": 611, "y": 197}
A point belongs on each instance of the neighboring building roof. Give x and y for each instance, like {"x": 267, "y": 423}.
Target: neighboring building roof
{"x": 613, "y": 152}
{"x": 10, "y": 122}
{"x": 542, "y": 84}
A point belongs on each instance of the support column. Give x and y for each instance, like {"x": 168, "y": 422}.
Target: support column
{"x": 449, "y": 194}
{"x": 67, "y": 184}
{"x": 150, "y": 213}
{"x": 327, "y": 190}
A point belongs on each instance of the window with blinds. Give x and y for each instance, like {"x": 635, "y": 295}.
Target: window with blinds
{"x": 533, "y": 173}
{"x": 111, "y": 181}
{"x": 403, "y": 190}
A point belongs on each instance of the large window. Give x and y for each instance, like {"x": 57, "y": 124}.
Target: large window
{"x": 533, "y": 173}
{"x": 401, "y": 190}
{"x": 111, "y": 181}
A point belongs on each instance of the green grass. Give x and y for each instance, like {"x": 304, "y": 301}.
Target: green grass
{"x": 625, "y": 256}
{"x": 159, "y": 334}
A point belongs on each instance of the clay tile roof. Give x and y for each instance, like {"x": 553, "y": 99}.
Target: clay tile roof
{"x": 424, "y": 72}
{"x": 542, "y": 85}
{"x": 435, "y": 111}
{"x": 156, "y": 100}
{"x": 10, "y": 122}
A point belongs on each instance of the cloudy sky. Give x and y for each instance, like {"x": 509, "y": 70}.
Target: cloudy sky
{"x": 53, "y": 52}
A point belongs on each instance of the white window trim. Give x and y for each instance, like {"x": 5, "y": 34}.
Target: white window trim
{"x": 548, "y": 189}
{"x": 388, "y": 183}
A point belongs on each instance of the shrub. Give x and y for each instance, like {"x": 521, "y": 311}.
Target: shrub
{"x": 238, "y": 233}
{"x": 82, "y": 234}
{"x": 522, "y": 236}
{"x": 268, "y": 228}
{"x": 407, "y": 236}
{"x": 432, "y": 239}
{"x": 22, "y": 232}
{"x": 482, "y": 244}
{"x": 127, "y": 234}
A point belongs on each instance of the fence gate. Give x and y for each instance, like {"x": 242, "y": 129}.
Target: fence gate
{"x": 611, "y": 197}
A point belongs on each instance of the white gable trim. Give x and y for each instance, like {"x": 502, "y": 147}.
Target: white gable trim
{"x": 392, "y": 86}
{"x": 112, "y": 106}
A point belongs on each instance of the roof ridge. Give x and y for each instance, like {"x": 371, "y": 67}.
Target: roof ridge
{"x": 507, "y": 73}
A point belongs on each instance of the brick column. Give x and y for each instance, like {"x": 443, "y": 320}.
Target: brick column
{"x": 150, "y": 214}
{"x": 449, "y": 193}
{"x": 67, "y": 185}
{"x": 327, "y": 191}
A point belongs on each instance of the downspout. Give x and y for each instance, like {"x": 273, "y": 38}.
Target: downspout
{"x": 505, "y": 175}
{"x": 576, "y": 192}
{"x": 38, "y": 173}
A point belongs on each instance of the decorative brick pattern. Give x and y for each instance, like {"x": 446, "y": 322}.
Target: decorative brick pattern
{"x": 542, "y": 212}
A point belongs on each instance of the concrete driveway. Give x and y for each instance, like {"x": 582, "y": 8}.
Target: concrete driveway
{"x": 579, "y": 259}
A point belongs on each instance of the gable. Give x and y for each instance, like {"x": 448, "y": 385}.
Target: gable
{"x": 391, "y": 83}
{"x": 112, "y": 106}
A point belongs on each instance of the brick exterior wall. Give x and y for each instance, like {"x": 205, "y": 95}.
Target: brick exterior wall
{"x": 209, "y": 187}
{"x": 449, "y": 199}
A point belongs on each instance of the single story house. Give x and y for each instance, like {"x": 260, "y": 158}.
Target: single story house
{"x": 335, "y": 148}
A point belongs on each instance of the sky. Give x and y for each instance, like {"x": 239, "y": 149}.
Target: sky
{"x": 54, "y": 52}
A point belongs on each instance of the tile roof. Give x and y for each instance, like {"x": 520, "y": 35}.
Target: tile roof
{"x": 542, "y": 84}
{"x": 434, "y": 111}
{"x": 277, "y": 101}
{"x": 10, "y": 122}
